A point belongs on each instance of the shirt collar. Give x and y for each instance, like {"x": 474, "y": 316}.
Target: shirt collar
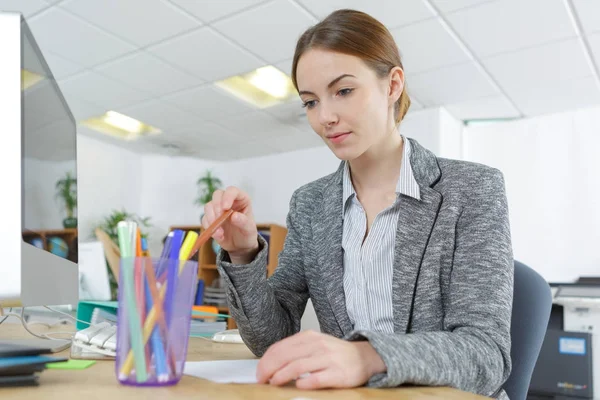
{"x": 407, "y": 184}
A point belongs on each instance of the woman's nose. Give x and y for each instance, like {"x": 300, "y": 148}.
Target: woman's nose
{"x": 327, "y": 116}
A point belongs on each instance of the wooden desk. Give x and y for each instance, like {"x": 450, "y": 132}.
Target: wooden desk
{"x": 99, "y": 381}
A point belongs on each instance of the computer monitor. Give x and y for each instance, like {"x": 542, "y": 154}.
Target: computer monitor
{"x": 38, "y": 255}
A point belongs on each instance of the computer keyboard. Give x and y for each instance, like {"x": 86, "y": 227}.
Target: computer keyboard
{"x": 100, "y": 338}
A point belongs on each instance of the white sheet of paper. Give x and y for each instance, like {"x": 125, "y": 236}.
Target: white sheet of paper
{"x": 223, "y": 371}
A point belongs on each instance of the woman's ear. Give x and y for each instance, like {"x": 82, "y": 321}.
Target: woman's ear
{"x": 396, "y": 84}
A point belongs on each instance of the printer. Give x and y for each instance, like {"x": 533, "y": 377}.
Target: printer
{"x": 567, "y": 367}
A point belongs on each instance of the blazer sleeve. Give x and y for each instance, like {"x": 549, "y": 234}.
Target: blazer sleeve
{"x": 472, "y": 353}
{"x": 268, "y": 310}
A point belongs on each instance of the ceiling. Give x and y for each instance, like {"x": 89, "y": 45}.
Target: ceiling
{"x": 156, "y": 60}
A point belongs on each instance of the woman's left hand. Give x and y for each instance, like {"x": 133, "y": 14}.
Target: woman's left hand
{"x": 316, "y": 361}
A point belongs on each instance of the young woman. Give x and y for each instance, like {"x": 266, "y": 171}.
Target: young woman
{"x": 406, "y": 256}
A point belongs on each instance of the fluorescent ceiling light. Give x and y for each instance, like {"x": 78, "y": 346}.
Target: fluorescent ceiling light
{"x": 28, "y": 79}
{"x": 263, "y": 87}
{"x": 120, "y": 125}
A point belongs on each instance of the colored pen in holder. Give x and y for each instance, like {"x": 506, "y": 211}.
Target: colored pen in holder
{"x": 152, "y": 337}
{"x": 155, "y": 354}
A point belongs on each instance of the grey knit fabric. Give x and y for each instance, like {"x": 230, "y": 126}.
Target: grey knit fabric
{"x": 452, "y": 281}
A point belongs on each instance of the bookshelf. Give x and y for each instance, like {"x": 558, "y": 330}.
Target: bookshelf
{"x": 68, "y": 235}
{"x": 207, "y": 259}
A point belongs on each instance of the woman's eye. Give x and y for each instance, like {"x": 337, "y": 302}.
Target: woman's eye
{"x": 309, "y": 104}
{"x": 345, "y": 92}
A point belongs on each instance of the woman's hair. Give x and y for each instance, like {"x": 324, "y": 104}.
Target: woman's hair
{"x": 357, "y": 34}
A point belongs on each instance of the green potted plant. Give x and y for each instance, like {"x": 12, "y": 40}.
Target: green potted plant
{"x": 66, "y": 191}
{"x": 109, "y": 225}
{"x": 207, "y": 185}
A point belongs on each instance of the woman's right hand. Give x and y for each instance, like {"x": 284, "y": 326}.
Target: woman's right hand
{"x": 238, "y": 234}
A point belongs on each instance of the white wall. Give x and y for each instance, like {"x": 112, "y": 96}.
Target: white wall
{"x": 42, "y": 209}
{"x": 109, "y": 178}
{"x": 168, "y": 193}
{"x": 552, "y": 171}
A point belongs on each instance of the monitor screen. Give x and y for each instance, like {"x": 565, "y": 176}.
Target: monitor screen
{"x": 49, "y": 177}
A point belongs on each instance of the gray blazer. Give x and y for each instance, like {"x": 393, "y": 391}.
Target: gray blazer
{"x": 452, "y": 280}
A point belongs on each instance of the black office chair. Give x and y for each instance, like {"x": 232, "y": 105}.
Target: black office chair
{"x": 532, "y": 302}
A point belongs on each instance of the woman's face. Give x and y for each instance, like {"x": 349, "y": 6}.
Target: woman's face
{"x": 346, "y": 103}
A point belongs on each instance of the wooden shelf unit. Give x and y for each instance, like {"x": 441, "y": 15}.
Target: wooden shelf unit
{"x": 207, "y": 259}
{"x": 68, "y": 235}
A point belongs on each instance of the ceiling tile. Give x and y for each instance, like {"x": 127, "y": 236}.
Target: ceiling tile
{"x": 297, "y": 141}
{"x": 167, "y": 118}
{"x": 210, "y": 10}
{"x": 285, "y": 67}
{"x": 442, "y": 49}
{"x": 83, "y": 110}
{"x": 208, "y": 102}
{"x": 98, "y": 89}
{"x": 256, "y": 125}
{"x": 562, "y": 96}
{"x": 27, "y": 8}
{"x": 390, "y": 13}
{"x": 540, "y": 66}
{"x": 290, "y": 113}
{"x": 487, "y": 107}
{"x": 207, "y": 55}
{"x": 594, "y": 42}
{"x": 254, "y": 29}
{"x": 66, "y": 35}
{"x": 509, "y": 25}
{"x": 415, "y": 104}
{"x": 125, "y": 19}
{"x": 448, "y": 6}
{"x": 450, "y": 85}
{"x": 588, "y": 12}
{"x": 210, "y": 135}
{"x": 60, "y": 67}
{"x": 149, "y": 73}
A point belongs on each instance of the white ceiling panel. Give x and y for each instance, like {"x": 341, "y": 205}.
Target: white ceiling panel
{"x": 25, "y": 7}
{"x": 540, "y": 66}
{"x": 297, "y": 141}
{"x": 594, "y": 42}
{"x": 448, "y": 6}
{"x": 210, "y": 10}
{"x": 285, "y": 67}
{"x": 83, "y": 110}
{"x": 508, "y": 25}
{"x": 484, "y": 108}
{"x": 208, "y": 102}
{"x": 443, "y": 49}
{"x": 256, "y": 125}
{"x": 207, "y": 55}
{"x": 559, "y": 97}
{"x": 290, "y": 112}
{"x": 68, "y": 36}
{"x": 167, "y": 118}
{"x": 415, "y": 104}
{"x": 588, "y": 13}
{"x": 60, "y": 67}
{"x": 140, "y": 22}
{"x": 391, "y": 13}
{"x": 101, "y": 90}
{"x": 281, "y": 23}
{"x": 450, "y": 85}
{"x": 211, "y": 134}
{"x": 149, "y": 73}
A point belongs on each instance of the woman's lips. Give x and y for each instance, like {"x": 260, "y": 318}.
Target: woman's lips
{"x": 338, "y": 137}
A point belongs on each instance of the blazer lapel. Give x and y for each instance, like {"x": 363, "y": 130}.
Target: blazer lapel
{"x": 328, "y": 230}
{"x": 415, "y": 223}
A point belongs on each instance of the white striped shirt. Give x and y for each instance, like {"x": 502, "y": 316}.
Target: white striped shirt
{"x": 368, "y": 266}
